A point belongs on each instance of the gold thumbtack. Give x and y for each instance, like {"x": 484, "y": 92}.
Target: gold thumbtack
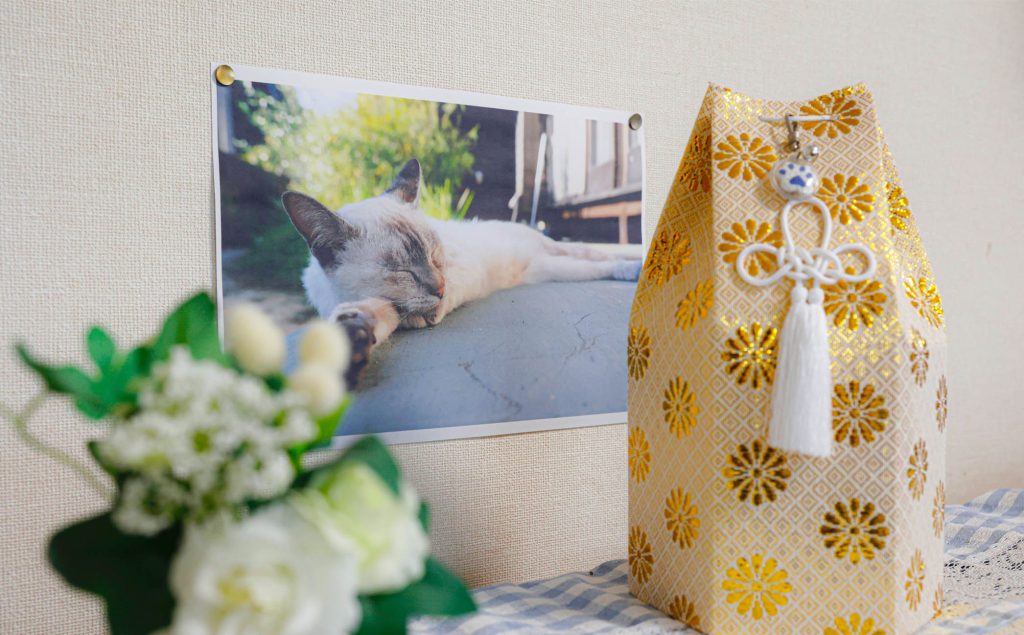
{"x": 635, "y": 121}
{"x": 225, "y": 75}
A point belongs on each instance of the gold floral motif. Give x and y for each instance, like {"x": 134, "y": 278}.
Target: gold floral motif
{"x": 941, "y": 404}
{"x": 757, "y": 586}
{"x": 696, "y": 171}
{"x": 681, "y": 517}
{"x": 914, "y": 584}
{"x": 857, "y": 413}
{"x": 680, "y": 408}
{"x": 638, "y": 351}
{"x": 847, "y": 198}
{"x": 668, "y": 255}
{"x": 734, "y": 241}
{"x": 918, "y": 357}
{"x": 641, "y": 556}
{"x": 751, "y": 355}
{"x": 854, "y": 303}
{"x": 939, "y": 509}
{"x": 744, "y": 156}
{"x": 925, "y": 298}
{"x": 938, "y": 600}
{"x": 844, "y": 112}
{"x": 917, "y": 470}
{"x": 639, "y": 455}
{"x": 756, "y": 472}
{"x": 899, "y": 207}
{"x": 854, "y": 530}
{"x": 855, "y": 625}
{"x": 684, "y": 611}
{"x": 695, "y": 305}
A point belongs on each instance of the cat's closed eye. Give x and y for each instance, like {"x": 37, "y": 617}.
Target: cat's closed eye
{"x": 404, "y": 275}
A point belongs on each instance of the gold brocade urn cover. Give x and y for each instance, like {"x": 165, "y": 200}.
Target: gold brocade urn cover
{"x": 726, "y": 533}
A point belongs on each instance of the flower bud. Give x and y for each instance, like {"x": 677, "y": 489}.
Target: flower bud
{"x": 320, "y": 385}
{"x": 254, "y": 340}
{"x": 324, "y": 343}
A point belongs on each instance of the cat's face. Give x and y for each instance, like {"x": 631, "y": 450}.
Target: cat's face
{"x": 381, "y": 247}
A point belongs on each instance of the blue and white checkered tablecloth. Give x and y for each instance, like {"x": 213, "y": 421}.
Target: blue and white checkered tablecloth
{"x": 599, "y": 601}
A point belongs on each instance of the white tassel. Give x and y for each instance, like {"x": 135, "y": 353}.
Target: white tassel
{"x": 801, "y": 396}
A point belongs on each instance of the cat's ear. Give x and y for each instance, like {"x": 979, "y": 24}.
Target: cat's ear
{"x": 407, "y": 184}
{"x": 325, "y": 232}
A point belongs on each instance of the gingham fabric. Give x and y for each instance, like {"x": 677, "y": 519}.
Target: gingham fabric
{"x": 599, "y": 601}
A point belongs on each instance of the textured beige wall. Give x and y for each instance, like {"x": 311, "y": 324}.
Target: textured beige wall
{"x": 105, "y": 209}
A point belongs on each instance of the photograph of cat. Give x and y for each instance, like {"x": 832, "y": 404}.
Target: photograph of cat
{"x": 480, "y": 252}
{"x": 379, "y": 264}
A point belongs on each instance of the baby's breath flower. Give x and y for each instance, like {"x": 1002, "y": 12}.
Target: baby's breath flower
{"x": 207, "y": 439}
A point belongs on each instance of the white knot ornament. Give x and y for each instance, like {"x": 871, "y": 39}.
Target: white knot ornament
{"x": 801, "y": 394}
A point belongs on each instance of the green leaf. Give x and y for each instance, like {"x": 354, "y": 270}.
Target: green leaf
{"x": 129, "y": 572}
{"x": 94, "y": 451}
{"x": 193, "y": 324}
{"x": 424, "y": 516}
{"x": 439, "y": 592}
{"x": 327, "y": 424}
{"x": 376, "y": 456}
{"x": 101, "y": 348}
{"x": 68, "y": 380}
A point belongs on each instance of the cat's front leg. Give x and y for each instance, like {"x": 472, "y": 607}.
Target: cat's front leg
{"x": 368, "y": 323}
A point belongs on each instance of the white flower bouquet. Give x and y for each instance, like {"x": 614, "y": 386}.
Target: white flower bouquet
{"x": 217, "y": 524}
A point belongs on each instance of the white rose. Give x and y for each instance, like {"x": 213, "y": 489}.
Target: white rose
{"x": 255, "y": 341}
{"x": 325, "y": 343}
{"x": 356, "y": 511}
{"x": 320, "y": 386}
{"x": 270, "y": 574}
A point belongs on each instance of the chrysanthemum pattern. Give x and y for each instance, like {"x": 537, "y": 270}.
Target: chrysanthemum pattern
{"x": 695, "y": 305}
{"x": 918, "y": 357}
{"x": 941, "y": 404}
{"x": 680, "y": 407}
{"x": 739, "y": 236}
{"x": 854, "y": 625}
{"x": 924, "y": 297}
{"x": 938, "y": 601}
{"x": 750, "y": 355}
{"x": 757, "y": 586}
{"x": 913, "y": 586}
{"x": 683, "y": 610}
{"x": 696, "y": 170}
{"x": 639, "y": 455}
{"x": 756, "y": 473}
{"x": 917, "y": 470}
{"x": 744, "y": 157}
{"x": 854, "y": 303}
{"x": 681, "y": 518}
{"x": 854, "y": 530}
{"x": 939, "y": 509}
{"x": 848, "y": 199}
{"x": 669, "y": 253}
{"x": 638, "y": 351}
{"x": 641, "y": 555}
{"x": 844, "y": 113}
{"x": 858, "y": 413}
{"x": 899, "y": 208}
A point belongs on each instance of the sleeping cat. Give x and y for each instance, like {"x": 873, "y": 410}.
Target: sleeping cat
{"x": 380, "y": 264}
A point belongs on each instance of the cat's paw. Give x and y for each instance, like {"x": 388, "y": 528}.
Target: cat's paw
{"x": 415, "y": 322}
{"x": 628, "y": 270}
{"x": 358, "y": 324}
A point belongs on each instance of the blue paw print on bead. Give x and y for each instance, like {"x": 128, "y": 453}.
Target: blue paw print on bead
{"x": 794, "y": 179}
{"x": 801, "y": 175}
